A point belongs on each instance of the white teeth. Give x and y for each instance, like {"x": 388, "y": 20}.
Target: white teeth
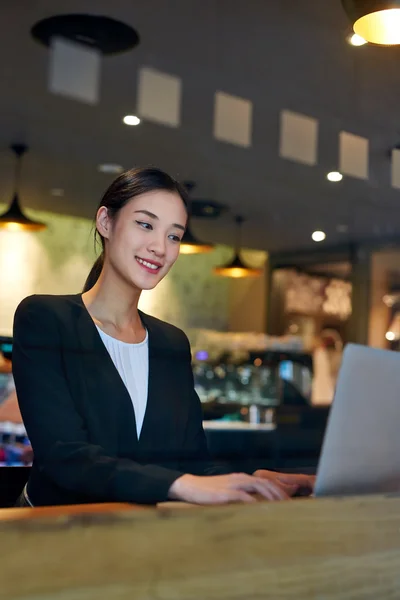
{"x": 147, "y": 264}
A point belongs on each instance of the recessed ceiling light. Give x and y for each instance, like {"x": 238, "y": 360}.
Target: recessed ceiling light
{"x": 342, "y": 228}
{"x": 390, "y": 336}
{"x": 334, "y": 176}
{"x": 357, "y": 40}
{"x": 57, "y": 192}
{"x": 131, "y": 120}
{"x": 318, "y": 236}
{"x": 110, "y": 168}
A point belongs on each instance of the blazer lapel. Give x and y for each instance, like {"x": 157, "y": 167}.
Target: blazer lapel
{"x": 154, "y": 392}
{"x": 108, "y": 391}
{"x": 164, "y": 419}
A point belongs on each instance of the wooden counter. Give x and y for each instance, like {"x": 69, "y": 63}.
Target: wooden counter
{"x": 312, "y": 549}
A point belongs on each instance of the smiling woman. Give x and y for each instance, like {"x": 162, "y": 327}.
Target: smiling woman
{"x": 106, "y": 392}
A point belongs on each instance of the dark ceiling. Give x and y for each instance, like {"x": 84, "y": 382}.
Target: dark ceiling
{"x": 280, "y": 55}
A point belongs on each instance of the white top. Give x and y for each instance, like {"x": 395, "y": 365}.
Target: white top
{"x": 132, "y": 363}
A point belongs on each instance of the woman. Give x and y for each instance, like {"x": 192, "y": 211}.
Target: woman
{"x": 106, "y": 392}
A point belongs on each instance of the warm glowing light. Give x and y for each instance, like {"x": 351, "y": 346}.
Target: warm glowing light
{"x": 193, "y": 249}
{"x": 381, "y": 27}
{"x": 25, "y": 226}
{"x": 390, "y": 336}
{"x": 357, "y": 40}
{"x": 318, "y": 236}
{"x": 237, "y": 272}
{"x": 131, "y": 120}
{"x": 12, "y": 226}
{"x": 389, "y": 300}
{"x": 258, "y": 362}
{"x": 334, "y": 176}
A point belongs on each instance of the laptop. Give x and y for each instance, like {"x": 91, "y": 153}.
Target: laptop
{"x": 361, "y": 448}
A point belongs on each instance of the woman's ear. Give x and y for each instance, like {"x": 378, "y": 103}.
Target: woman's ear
{"x": 103, "y": 222}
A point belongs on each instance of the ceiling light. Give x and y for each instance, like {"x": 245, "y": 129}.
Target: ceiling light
{"x": 101, "y": 33}
{"x": 236, "y": 268}
{"x": 357, "y": 40}
{"x": 131, "y": 120}
{"x": 318, "y": 236}
{"x": 377, "y": 21}
{"x": 343, "y": 228}
{"x": 110, "y": 168}
{"x": 14, "y": 219}
{"x": 393, "y": 333}
{"x": 334, "y": 176}
{"x": 191, "y": 245}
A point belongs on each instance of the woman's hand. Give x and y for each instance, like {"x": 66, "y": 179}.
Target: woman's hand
{"x": 222, "y": 489}
{"x": 291, "y": 482}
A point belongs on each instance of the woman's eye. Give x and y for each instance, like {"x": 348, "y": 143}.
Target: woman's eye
{"x": 175, "y": 238}
{"x": 144, "y": 225}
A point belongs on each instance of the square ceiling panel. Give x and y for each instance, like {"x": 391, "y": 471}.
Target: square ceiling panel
{"x": 159, "y": 97}
{"x": 74, "y": 71}
{"x": 298, "y": 138}
{"x": 233, "y": 119}
{"x": 353, "y": 155}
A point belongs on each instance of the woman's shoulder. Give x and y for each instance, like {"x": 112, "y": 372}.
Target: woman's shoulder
{"x": 45, "y": 303}
{"x": 169, "y": 334}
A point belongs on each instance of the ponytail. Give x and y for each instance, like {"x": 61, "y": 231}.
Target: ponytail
{"x": 94, "y": 273}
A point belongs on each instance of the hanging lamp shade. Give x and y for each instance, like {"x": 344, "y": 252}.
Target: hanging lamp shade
{"x": 236, "y": 268}
{"x": 14, "y": 219}
{"x": 377, "y": 21}
{"x": 191, "y": 245}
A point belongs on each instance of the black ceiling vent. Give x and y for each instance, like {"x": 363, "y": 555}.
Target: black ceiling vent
{"x": 203, "y": 208}
{"x": 101, "y": 33}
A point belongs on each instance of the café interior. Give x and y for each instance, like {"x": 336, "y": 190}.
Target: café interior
{"x": 281, "y": 121}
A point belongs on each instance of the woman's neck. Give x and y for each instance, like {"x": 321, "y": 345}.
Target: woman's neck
{"x": 113, "y": 305}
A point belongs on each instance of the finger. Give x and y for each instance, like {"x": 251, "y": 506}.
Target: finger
{"x": 265, "y": 487}
{"x": 240, "y": 496}
{"x": 289, "y": 489}
{"x": 303, "y": 481}
{"x": 270, "y": 490}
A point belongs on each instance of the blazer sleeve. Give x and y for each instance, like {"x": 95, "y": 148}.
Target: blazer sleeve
{"x": 57, "y": 432}
{"x": 197, "y": 457}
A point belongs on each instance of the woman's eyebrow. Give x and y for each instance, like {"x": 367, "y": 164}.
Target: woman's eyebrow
{"x": 153, "y": 216}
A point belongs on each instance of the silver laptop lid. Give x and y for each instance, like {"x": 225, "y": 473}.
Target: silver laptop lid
{"x": 361, "y": 449}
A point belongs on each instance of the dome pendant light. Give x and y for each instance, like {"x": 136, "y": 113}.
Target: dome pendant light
{"x": 377, "y": 21}
{"x": 236, "y": 267}
{"x": 14, "y": 219}
{"x": 191, "y": 245}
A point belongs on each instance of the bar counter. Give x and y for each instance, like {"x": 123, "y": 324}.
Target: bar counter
{"x": 313, "y": 549}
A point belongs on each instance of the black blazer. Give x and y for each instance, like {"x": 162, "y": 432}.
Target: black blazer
{"x": 79, "y": 416}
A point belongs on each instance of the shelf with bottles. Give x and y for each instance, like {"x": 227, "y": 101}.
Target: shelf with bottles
{"x": 15, "y": 448}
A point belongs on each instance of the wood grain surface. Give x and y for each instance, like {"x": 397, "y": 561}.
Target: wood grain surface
{"x": 312, "y": 549}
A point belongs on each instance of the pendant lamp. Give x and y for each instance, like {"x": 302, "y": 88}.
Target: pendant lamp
{"x": 14, "y": 219}
{"x": 377, "y": 21}
{"x": 191, "y": 245}
{"x": 236, "y": 268}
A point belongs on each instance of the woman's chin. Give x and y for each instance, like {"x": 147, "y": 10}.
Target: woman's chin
{"x": 146, "y": 284}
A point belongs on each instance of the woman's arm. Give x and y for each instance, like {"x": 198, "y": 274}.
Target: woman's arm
{"x": 60, "y": 440}
{"x": 56, "y": 430}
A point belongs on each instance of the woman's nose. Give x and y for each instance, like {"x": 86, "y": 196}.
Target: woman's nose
{"x": 157, "y": 245}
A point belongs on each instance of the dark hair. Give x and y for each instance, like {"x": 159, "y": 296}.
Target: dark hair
{"x": 125, "y": 187}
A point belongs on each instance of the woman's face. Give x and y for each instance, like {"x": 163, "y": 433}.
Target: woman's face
{"x": 142, "y": 242}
